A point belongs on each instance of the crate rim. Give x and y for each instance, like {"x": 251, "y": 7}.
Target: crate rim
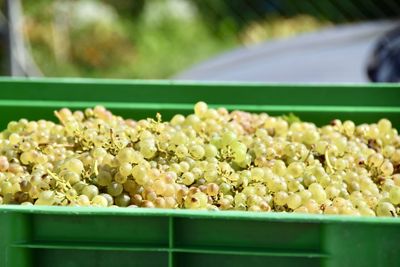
{"x": 164, "y": 82}
{"x": 198, "y": 214}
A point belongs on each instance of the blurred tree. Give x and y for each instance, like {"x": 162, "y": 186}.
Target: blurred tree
{"x": 132, "y": 8}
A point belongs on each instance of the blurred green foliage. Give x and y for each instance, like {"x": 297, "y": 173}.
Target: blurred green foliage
{"x": 128, "y": 47}
{"x": 146, "y": 38}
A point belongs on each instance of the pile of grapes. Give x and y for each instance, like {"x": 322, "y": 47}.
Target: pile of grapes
{"x": 212, "y": 159}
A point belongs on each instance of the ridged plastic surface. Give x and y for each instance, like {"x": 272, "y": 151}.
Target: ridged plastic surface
{"x": 69, "y": 236}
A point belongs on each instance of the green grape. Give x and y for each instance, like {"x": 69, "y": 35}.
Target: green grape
{"x": 119, "y": 178}
{"x": 197, "y": 151}
{"x": 125, "y": 155}
{"x": 160, "y": 202}
{"x": 109, "y": 198}
{"x": 90, "y": 191}
{"x": 212, "y": 189}
{"x": 296, "y": 169}
{"x": 386, "y": 209}
{"x": 200, "y": 109}
{"x": 211, "y": 175}
{"x": 228, "y": 138}
{"x": 210, "y": 151}
{"x": 188, "y": 178}
{"x": 139, "y": 173}
{"x": 46, "y": 198}
{"x": 104, "y": 178}
{"x": 99, "y": 201}
{"x": 99, "y": 152}
{"x": 294, "y": 201}
{"x": 257, "y": 174}
{"x": 281, "y": 198}
{"x": 125, "y": 169}
{"x": 279, "y": 168}
{"x": 178, "y": 119}
{"x": 83, "y": 200}
{"x": 331, "y": 210}
{"x": 384, "y": 125}
{"x": 74, "y": 165}
{"x": 386, "y": 168}
{"x": 181, "y": 151}
{"x": 122, "y": 200}
{"x": 394, "y": 195}
{"x": 196, "y": 201}
{"x": 114, "y": 189}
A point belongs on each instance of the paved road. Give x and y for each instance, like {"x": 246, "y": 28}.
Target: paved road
{"x": 337, "y": 54}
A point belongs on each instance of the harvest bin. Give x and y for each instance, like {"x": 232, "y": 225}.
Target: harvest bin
{"x": 71, "y": 236}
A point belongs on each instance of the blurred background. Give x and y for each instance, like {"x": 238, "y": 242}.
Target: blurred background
{"x": 243, "y": 40}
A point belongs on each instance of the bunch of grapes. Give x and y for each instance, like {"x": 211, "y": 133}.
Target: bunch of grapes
{"x": 212, "y": 160}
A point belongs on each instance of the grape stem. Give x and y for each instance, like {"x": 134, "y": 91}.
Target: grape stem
{"x": 328, "y": 162}
{"x": 59, "y": 117}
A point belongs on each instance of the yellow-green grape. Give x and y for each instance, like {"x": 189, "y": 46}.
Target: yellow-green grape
{"x": 294, "y": 201}
{"x": 331, "y": 210}
{"x": 281, "y": 198}
{"x": 148, "y": 148}
{"x": 394, "y": 195}
{"x": 125, "y": 169}
{"x": 228, "y": 138}
{"x": 225, "y": 188}
{"x": 384, "y": 125}
{"x": 348, "y": 128}
{"x": 4, "y": 164}
{"x": 14, "y": 138}
{"x": 312, "y": 206}
{"x": 119, "y": 178}
{"x": 200, "y": 109}
{"x": 83, "y": 200}
{"x": 197, "y": 151}
{"x": 386, "y": 209}
{"x": 311, "y": 137}
{"x": 279, "y": 167}
{"x": 74, "y": 165}
{"x": 257, "y": 174}
{"x": 46, "y": 198}
{"x": 375, "y": 160}
{"x": 318, "y": 192}
{"x": 321, "y": 147}
{"x": 188, "y": 178}
{"x": 139, "y": 173}
{"x": 365, "y": 211}
{"x": 90, "y": 191}
{"x": 341, "y": 164}
{"x": 123, "y": 200}
{"x": 181, "y": 151}
{"x": 104, "y": 178}
{"x": 71, "y": 194}
{"x": 301, "y": 209}
{"x": 211, "y": 175}
{"x": 7, "y": 188}
{"x": 196, "y": 201}
{"x": 212, "y": 189}
{"x": 240, "y": 199}
{"x": 386, "y": 168}
{"x": 296, "y": 169}
{"x": 114, "y": 189}
{"x": 99, "y": 201}
{"x": 305, "y": 195}
{"x": 332, "y": 192}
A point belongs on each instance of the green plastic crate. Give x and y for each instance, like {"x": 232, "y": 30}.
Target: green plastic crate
{"x": 68, "y": 236}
